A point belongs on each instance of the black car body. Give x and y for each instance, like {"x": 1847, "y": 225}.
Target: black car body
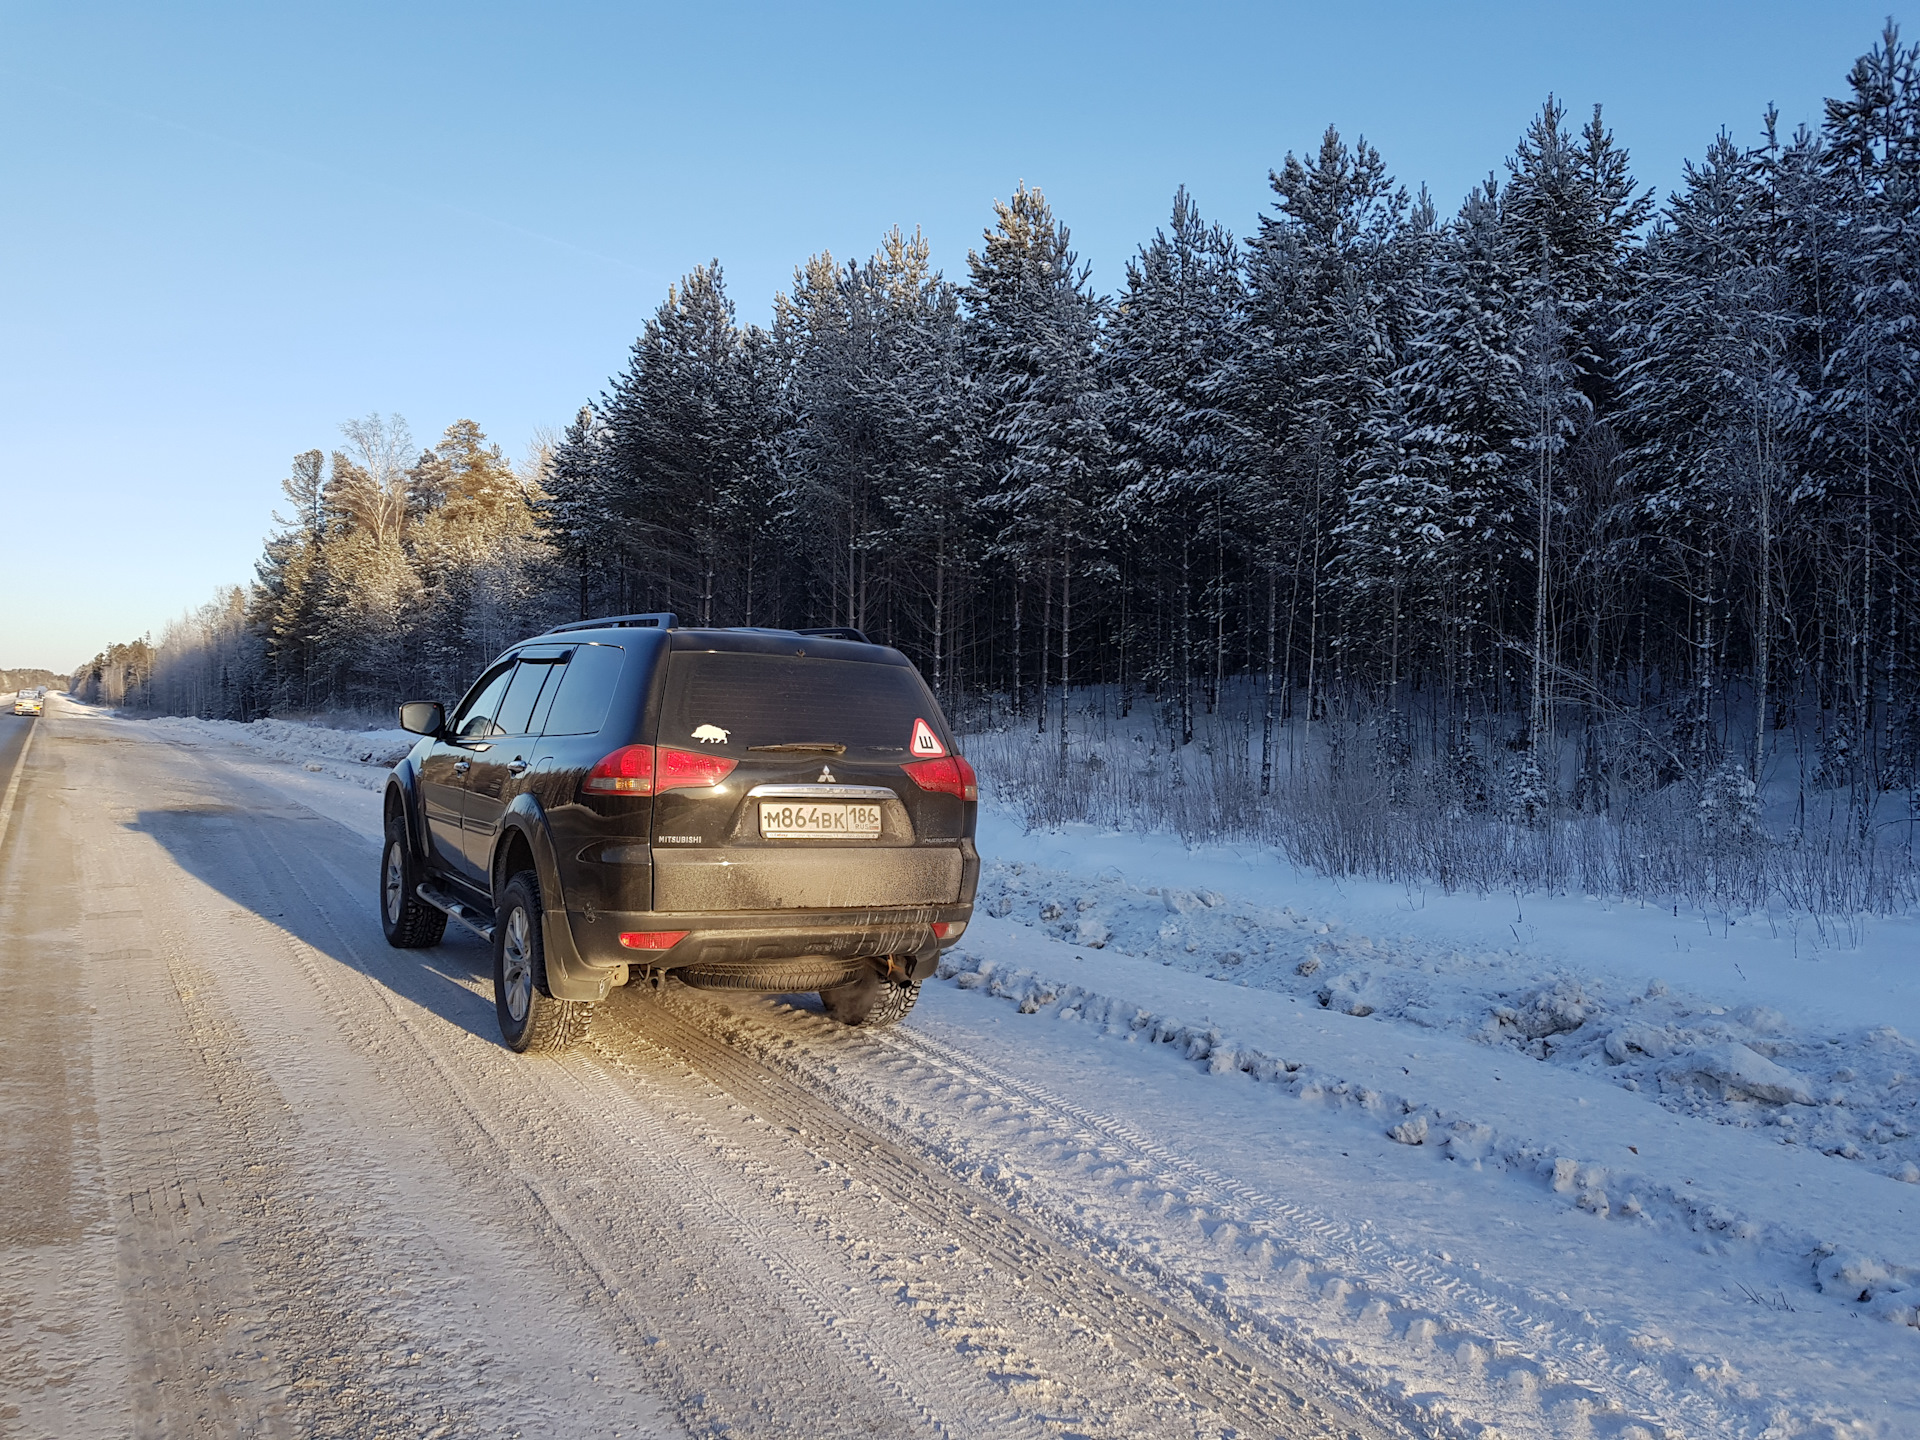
{"x": 770, "y": 810}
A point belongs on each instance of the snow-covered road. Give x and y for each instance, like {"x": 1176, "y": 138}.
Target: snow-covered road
{"x": 279, "y": 1179}
{"x": 267, "y": 1176}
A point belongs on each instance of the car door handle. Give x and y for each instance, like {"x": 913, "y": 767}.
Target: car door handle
{"x": 516, "y": 766}
{"x": 460, "y": 767}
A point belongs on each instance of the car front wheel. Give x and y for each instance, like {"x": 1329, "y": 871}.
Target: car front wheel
{"x": 408, "y": 922}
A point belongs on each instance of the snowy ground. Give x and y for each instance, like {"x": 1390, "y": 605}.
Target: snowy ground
{"x": 1701, "y": 1145}
{"x": 1514, "y": 1166}
{"x": 360, "y": 758}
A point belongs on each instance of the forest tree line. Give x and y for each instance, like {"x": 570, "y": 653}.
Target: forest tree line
{"x": 1620, "y": 491}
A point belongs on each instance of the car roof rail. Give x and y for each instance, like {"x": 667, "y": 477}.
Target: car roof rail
{"x": 658, "y": 620}
{"x": 836, "y": 632}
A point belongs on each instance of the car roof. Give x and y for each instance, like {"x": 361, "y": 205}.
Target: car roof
{"x": 833, "y": 642}
{"x": 754, "y": 640}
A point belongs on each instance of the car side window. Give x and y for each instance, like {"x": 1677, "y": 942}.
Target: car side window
{"x": 516, "y": 707}
{"x": 543, "y": 707}
{"x": 474, "y": 720}
{"x": 586, "y": 690}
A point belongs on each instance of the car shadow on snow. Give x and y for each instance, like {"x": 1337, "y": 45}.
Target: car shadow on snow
{"x": 317, "y": 881}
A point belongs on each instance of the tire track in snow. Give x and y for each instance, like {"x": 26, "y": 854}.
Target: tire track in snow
{"x": 819, "y": 1306}
{"x": 1416, "y": 1290}
{"x": 677, "y": 1296}
{"x": 1168, "y": 1349}
{"x": 1355, "y": 1286}
{"x": 225, "y": 1338}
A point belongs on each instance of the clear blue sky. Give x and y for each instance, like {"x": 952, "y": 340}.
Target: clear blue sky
{"x": 228, "y": 228}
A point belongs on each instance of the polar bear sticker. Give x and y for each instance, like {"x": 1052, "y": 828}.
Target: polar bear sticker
{"x": 710, "y": 734}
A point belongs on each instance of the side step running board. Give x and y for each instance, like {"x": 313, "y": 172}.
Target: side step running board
{"x": 456, "y": 911}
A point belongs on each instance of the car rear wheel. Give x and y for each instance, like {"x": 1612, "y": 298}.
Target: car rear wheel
{"x": 895, "y": 1000}
{"x": 408, "y": 921}
{"x": 871, "y": 1002}
{"x": 530, "y": 1018}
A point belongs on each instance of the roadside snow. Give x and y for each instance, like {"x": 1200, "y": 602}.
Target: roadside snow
{"x": 1814, "y": 1051}
{"x": 362, "y": 756}
{"x": 338, "y": 773}
{"x": 1734, "y": 1109}
{"x": 1601, "y": 1148}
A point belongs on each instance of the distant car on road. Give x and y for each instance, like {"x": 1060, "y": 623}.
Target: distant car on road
{"x": 27, "y": 702}
{"x": 746, "y": 809}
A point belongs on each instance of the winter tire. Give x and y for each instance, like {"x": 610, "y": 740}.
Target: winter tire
{"x": 408, "y": 921}
{"x": 530, "y": 1018}
{"x": 871, "y": 1001}
{"x": 895, "y": 1000}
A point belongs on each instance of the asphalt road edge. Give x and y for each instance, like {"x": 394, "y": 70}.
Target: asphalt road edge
{"x": 13, "y": 784}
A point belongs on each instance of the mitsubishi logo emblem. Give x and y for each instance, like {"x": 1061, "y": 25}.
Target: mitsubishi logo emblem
{"x": 826, "y": 776}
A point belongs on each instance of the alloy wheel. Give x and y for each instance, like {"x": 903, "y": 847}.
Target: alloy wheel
{"x": 396, "y": 882}
{"x": 516, "y": 973}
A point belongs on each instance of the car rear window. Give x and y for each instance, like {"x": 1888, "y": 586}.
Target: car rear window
{"x": 730, "y": 701}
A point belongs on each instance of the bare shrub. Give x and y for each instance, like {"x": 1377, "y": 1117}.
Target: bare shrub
{"x": 1464, "y": 822}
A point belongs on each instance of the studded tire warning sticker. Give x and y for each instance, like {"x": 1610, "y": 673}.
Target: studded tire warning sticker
{"x": 925, "y": 745}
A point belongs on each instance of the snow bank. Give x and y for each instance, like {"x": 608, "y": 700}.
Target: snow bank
{"x": 1850, "y": 1092}
{"x": 360, "y": 756}
{"x": 1602, "y": 1148}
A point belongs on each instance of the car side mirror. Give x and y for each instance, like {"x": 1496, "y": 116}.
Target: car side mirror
{"x": 423, "y": 717}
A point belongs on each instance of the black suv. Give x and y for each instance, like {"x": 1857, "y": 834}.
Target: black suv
{"x": 763, "y": 810}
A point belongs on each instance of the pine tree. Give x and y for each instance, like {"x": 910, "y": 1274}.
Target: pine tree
{"x": 483, "y": 577}
{"x": 1872, "y": 150}
{"x": 1034, "y": 331}
{"x": 1572, "y": 213}
{"x": 682, "y": 451}
{"x": 1172, "y": 358}
{"x": 879, "y": 436}
{"x": 574, "y": 508}
{"x": 1330, "y": 305}
{"x": 1713, "y": 389}
{"x": 284, "y": 607}
{"x": 1467, "y": 410}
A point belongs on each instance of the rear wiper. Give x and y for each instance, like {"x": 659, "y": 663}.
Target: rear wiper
{"x": 820, "y": 747}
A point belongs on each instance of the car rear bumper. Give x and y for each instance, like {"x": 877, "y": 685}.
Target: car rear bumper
{"x": 721, "y": 880}
{"x": 742, "y": 939}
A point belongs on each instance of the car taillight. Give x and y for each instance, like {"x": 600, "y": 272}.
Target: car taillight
{"x": 949, "y": 929}
{"x": 686, "y": 770}
{"x": 652, "y": 939}
{"x": 627, "y": 771}
{"x": 949, "y": 775}
{"x": 645, "y": 770}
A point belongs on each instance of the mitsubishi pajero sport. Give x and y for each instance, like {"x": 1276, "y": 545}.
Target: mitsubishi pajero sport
{"x": 745, "y": 809}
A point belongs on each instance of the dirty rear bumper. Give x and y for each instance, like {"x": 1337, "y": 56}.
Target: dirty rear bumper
{"x": 739, "y": 938}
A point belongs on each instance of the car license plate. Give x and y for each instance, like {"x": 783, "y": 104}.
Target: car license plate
{"x": 783, "y": 819}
